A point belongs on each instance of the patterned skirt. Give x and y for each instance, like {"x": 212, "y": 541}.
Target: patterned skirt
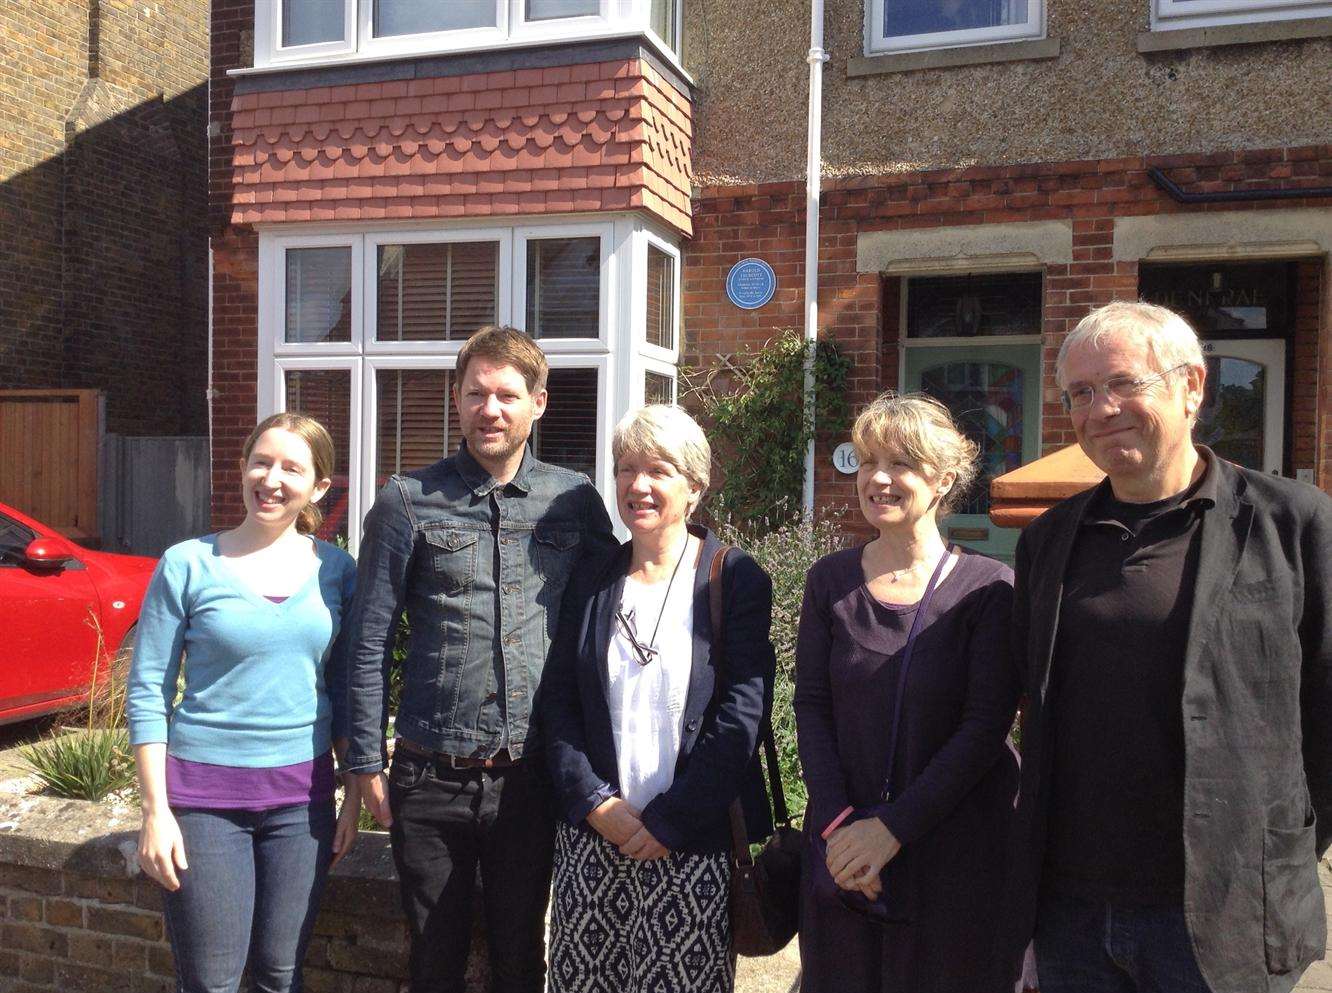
{"x": 623, "y": 926}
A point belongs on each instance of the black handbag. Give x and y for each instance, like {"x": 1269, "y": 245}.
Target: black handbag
{"x": 764, "y": 899}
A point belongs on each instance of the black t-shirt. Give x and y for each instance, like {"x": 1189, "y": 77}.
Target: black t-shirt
{"x": 1117, "y": 802}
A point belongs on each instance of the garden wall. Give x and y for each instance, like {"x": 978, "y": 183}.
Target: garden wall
{"x": 76, "y": 914}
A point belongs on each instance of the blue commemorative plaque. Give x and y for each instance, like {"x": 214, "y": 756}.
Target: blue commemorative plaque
{"x": 751, "y": 283}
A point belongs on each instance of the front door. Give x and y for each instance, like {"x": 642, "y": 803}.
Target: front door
{"x": 994, "y": 394}
{"x": 1243, "y": 413}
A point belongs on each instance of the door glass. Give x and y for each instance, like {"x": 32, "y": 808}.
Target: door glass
{"x": 1230, "y": 421}
{"x": 985, "y": 399}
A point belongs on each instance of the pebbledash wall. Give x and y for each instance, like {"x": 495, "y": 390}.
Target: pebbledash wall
{"x": 1028, "y": 157}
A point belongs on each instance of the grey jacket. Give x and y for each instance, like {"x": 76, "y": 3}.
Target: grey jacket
{"x": 1257, "y": 727}
{"x": 480, "y": 570}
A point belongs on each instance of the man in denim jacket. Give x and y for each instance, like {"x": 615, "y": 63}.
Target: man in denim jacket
{"x": 478, "y": 549}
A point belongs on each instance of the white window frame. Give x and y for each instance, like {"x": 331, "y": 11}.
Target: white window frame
{"x": 433, "y": 236}
{"x": 620, "y": 354}
{"x": 1169, "y": 15}
{"x": 878, "y": 43}
{"x": 667, "y": 369}
{"x": 604, "y": 232}
{"x": 615, "y": 18}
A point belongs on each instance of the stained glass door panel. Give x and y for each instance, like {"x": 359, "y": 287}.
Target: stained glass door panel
{"x": 993, "y": 393}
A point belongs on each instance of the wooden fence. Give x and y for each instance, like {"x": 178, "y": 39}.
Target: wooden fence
{"x": 49, "y": 450}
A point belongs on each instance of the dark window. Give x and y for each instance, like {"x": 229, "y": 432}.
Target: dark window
{"x": 417, "y": 423}
{"x": 436, "y": 292}
{"x": 325, "y": 395}
{"x": 564, "y": 287}
{"x": 660, "y": 298}
{"x": 974, "y": 306}
{"x": 1236, "y": 300}
{"x": 567, "y": 434}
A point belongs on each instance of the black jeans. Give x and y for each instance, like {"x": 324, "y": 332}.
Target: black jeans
{"x": 446, "y": 823}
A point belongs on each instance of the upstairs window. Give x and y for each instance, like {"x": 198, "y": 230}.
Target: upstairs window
{"x": 911, "y": 25}
{"x": 323, "y": 31}
{"x": 1170, "y": 14}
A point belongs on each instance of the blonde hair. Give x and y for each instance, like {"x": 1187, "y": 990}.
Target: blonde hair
{"x": 1170, "y": 341}
{"x": 320, "y": 441}
{"x": 666, "y": 432}
{"x": 922, "y": 429}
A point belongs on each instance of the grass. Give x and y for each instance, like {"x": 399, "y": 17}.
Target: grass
{"x": 93, "y": 761}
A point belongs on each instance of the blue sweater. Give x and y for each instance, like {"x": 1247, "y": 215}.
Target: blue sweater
{"x": 264, "y": 682}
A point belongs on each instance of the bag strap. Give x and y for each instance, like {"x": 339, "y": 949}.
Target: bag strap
{"x": 907, "y": 652}
{"x": 739, "y": 832}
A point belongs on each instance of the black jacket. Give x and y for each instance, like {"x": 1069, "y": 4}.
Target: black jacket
{"x": 1257, "y": 713}
{"x": 718, "y": 749}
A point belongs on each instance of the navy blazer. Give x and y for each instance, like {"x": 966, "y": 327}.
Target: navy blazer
{"x": 719, "y": 743}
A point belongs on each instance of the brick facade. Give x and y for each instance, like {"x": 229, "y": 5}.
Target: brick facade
{"x": 103, "y": 253}
{"x": 768, "y": 220}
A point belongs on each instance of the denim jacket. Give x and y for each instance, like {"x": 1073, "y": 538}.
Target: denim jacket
{"x": 480, "y": 569}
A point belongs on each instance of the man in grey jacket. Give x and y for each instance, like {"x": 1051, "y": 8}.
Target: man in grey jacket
{"x": 1174, "y": 628}
{"x": 478, "y": 549}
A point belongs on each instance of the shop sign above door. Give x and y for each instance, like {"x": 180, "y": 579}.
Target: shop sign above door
{"x": 751, "y": 283}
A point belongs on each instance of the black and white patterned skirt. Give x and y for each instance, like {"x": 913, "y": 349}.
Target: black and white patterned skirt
{"x": 623, "y": 926}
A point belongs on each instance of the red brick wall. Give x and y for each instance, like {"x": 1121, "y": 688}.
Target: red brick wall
{"x": 768, "y": 220}
{"x": 235, "y": 364}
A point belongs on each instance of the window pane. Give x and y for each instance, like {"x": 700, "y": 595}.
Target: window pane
{"x": 567, "y": 434}
{"x": 538, "y": 10}
{"x": 325, "y": 395}
{"x": 395, "y": 17}
{"x": 658, "y": 388}
{"x": 970, "y": 306}
{"x": 318, "y": 294}
{"x": 564, "y": 287}
{"x": 436, "y": 292}
{"x": 416, "y": 422}
{"x": 662, "y": 18}
{"x": 307, "y": 22}
{"x": 1221, "y": 299}
{"x": 986, "y": 400}
{"x": 660, "y": 298}
{"x": 908, "y": 17}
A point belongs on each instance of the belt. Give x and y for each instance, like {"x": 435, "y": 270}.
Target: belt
{"x": 500, "y": 759}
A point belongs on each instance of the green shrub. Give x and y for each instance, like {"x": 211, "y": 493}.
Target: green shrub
{"x": 786, "y": 553}
{"x": 88, "y": 764}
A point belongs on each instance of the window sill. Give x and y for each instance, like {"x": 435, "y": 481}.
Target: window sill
{"x": 1181, "y": 39}
{"x": 946, "y": 58}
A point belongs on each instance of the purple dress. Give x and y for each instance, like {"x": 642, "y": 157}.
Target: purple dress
{"x": 954, "y": 778}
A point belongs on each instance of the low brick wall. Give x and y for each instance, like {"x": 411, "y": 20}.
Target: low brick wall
{"x": 76, "y": 914}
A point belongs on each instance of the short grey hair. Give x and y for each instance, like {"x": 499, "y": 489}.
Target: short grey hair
{"x": 667, "y": 432}
{"x": 1170, "y": 340}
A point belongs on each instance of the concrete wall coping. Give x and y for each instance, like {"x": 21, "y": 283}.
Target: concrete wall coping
{"x": 1181, "y": 39}
{"x": 944, "y": 58}
{"x": 1224, "y": 234}
{"x": 966, "y": 248}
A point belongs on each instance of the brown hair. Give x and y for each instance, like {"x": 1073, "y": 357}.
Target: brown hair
{"x": 504, "y": 345}
{"x": 922, "y": 429}
{"x": 317, "y": 437}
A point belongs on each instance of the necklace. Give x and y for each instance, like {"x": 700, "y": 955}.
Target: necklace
{"x": 645, "y": 652}
{"x": 924, "y": 566}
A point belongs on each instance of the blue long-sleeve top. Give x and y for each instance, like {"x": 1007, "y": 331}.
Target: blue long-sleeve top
{"x": 265, "y": 683}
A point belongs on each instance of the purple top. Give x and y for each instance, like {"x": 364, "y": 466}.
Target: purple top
{"x": 225, "y": 787}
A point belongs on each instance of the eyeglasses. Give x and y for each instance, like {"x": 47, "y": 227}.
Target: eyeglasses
{"x": 1116, "y": 388}
{"x": 643, "y": 652}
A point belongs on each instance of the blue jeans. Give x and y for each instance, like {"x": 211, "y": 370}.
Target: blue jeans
{"x": 252, "y": 890}
{"x": 1085, "y": 946}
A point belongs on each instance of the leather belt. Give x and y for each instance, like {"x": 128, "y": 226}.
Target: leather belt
{"x": 500, "y": 759}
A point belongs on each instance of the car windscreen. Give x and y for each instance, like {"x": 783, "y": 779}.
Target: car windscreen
{"x": 14, "y": 538}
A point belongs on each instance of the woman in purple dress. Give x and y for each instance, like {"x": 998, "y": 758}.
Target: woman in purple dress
{"x": 910, "y": 780}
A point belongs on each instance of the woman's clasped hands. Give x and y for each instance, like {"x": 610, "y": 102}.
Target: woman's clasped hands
{"x": 857, "y": 853}
{"x": 622, "y": 825}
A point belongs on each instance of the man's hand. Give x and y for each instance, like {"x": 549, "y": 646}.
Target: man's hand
{"x": 857, "y": 853}
{"x": 615, "y": 820}
{"x": 374, "y": 794}
{"x": 643, "y": 846}
{"x": 344, "y": 834}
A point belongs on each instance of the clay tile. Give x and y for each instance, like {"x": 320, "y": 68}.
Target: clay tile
{"x": 397, "y": 126}
{"x": 488, "y": 142}
{"x": 515, "y": 141}
{"x": 614, "y": 114}
{"x": 410, "y": 147}
{"x": 462, "y": 144}
{"x": 357, "y": 149}
{"x": 503, "y": 122}
{"x": 450, "y": 123}
{"x": 475, "y": 122}
{"x": 309, "y": 154}
{"x": 345, "y": 130}
{"x": 542, "y": 140}
{"x": 558, "y": 117}
{"x": 421, "y": 127}
{"x": 283, "y": 155}
{"x": 587, "y": 116}
{"x": 260, "y": 156}
{"x": 435, "y": 146}
{"x": 272, "y": 135}
{"x": 383, "y": 149}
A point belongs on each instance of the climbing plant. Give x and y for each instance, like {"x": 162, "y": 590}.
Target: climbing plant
{"x": 754, "y": 409}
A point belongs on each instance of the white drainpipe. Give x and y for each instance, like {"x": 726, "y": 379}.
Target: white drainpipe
{"x": 813, "y": 177}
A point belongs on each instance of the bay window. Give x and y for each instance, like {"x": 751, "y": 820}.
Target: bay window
{"x": 1171, "y": 14}
{"x": 912, "y": 25}
{"x": 360, "y": 327}
{"x": 322, "y": 31}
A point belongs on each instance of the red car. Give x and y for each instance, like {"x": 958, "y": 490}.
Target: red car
{"x": 54, "y": 598}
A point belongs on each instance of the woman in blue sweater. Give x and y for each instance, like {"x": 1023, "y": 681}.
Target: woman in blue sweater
{"x": 235, "y": 765}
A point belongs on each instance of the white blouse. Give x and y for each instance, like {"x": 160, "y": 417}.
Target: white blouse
{"x": 647, "y": 701}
